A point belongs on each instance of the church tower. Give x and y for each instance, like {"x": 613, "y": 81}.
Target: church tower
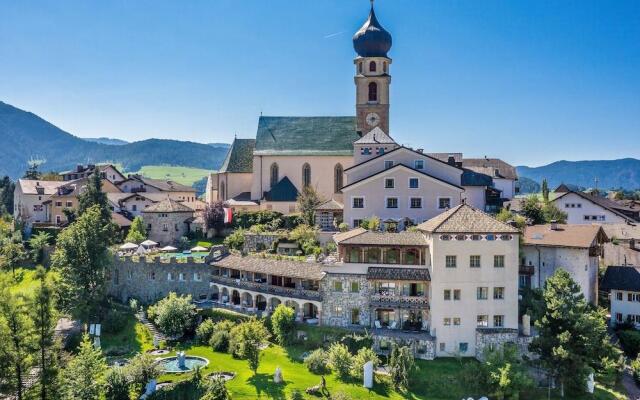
{"x": 371, "y": 43}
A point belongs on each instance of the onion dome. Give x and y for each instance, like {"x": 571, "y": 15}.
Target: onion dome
{"x": 372, "y": 40}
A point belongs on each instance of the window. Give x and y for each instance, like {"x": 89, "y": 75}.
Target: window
{"x": 415, "y": 202}
{"x": 165, "y": 228}
{"x": 69, "y": 203}
{"x": 223, "y": 192}
{"x": 197, "y": 277}
{"x": 447, "y": 294}
{"x": 170, "y": 276}
{"x": 355, "y": 287}
{"x": 388, "y": 164}
{"x": 58, "y": 219}
{"x": 389, "y": 183}
{"x": 418, "y": 164}
{"x": 474, "y": 261}
{"x": 360, "y": 67}
{"x": 372, "y": 66}
{"x": 464, "y": 347}
{"x": 482, "y": 293}
{"x": 619, "y": 296}
{"x": 58, "y": 204}
{"x": 456, "y": 321}
{"x": 338, "y": 172}
{"x": 498, "y": 261}
{"x": 355, "y": 316}
{"x": 365, "y": 151}
{"x": 498, "y": 293}
{"x": 384, "y": 67}
{"x": 357, "y": 202}
{"x": 447, "y": 321}
{"x": 134, "y": 207}
{"x": 181, "y": 277}
{"x": 373, "y": 91}
{"x": 444, "y": 202}
{"x": 442, "y": 346}
{"x": 392, "y": 202}
{"x": 337, "y": 286}
{"x": 450, "y": 261}
{"x": 337, "y": 311}
{"x": 274, "y": 174}
{"x": 618, "y": 317}
{"x": 357, "y": 222}
{"x": 483, "y": 320}
{"x": 498, "y": 321}
{"x": 414, "y": 183}
{"x": 306, "y": 175}
{"x": 456, "y": 294}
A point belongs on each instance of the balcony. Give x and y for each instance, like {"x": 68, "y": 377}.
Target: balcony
{"x": 399, "y": 301}
{"x": 304, "y": 294}
{"x": 526, "y": 270}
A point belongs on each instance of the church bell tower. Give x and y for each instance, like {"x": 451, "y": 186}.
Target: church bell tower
{"x": 372, "y": 43}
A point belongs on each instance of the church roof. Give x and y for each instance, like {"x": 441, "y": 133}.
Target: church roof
{"x": 239, "y": 157}
{"x": 375, "y": 136}
{"x": 306, "y": 136}
{"x": 282, "y": 191}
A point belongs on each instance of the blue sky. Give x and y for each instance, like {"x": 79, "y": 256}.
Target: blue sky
{"x": 527, "y": 81}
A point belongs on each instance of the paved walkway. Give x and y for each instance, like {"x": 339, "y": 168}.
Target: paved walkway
{"x": 630, "y": 385}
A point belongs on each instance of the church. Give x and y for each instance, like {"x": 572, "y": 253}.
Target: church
{"x": 353, "y": 162}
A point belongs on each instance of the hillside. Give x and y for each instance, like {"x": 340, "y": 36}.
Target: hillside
{"x": 25, "y": 136}
{"x": 106, "y": 140}
{"x": 611, "y": 174}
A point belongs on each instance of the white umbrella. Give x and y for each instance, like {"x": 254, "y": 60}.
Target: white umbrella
{"x": 149, "y": 243}
{"x": 168, "y": 248}
{"x": 129, "y": 246}
{"x": 199, "y": 248}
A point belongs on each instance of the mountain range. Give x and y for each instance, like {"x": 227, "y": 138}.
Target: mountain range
{"x": 24, "y": 137}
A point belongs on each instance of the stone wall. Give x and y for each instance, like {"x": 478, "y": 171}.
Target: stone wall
{"x": 174, "y": 222}
{"x": 424, "y": 349}
{"x": 254, "y": 242}
{"x": 337, "y": 305}
{"x": 495, "y": 338}
{"x": 149, "y": 280}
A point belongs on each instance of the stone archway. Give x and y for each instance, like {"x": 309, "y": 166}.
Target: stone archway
{"x": 225, "y": 295}
{"x": 309, "y": 311}
{"x": 246, "y": 299}
{"x": 275, "y": 302}
{"x": 261, "y": 302}
{"x": 296, "y": 307}
{"x": 215, "y": 293}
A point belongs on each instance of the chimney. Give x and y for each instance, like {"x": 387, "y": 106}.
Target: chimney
{"x": 451, "y": 160}
{"x": 79, "y": 168}
{"x": 554, "y": 225}
{"x": 420, "y": 151}
{"x": 512, "y": 223}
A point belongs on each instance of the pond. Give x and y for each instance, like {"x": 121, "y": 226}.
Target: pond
{"x": 173, "y": 364}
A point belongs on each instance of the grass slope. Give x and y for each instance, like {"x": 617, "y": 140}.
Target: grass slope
{"x": 184, "y": 175}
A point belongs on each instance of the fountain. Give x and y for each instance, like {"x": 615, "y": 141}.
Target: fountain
{"x": 182, "y": 363}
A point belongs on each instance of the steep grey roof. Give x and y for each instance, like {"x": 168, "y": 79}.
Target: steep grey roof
{"x": 39, "y": 187}
{"x": 400, "y": 274}
{"x": 465, "y": 219}
{"x": 489, "y": 166}
{"x": 472, "y": 178}
{"x": 375, "y": 136}
{"x": 621, "y": 278}
{"x": 306, "y": 136}
{"x": 373, "y": 176}
{"x": 167, "y": 206}
{"x": 282, "y": 191}
{"x": 365, "y": 237}
{"x": 293, "y": 269}
{"x": 239, "y": 157}
{"x": 330, "y": 205}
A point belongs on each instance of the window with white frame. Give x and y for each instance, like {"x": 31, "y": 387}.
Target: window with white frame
{"x": 444, "y": 202}
{"x": 498, "y": 293}
{"x": 389, "y": 183}
{"x": 483, "y": 320}
{"x": 498, "y": 321}
{"x": 181, "y": 277}
{"x": 498, "y": 261}
{"x": 418, "y": 164}
{"x": 414, "y": 183}
{"x": 415, "y": 202}
{"x": 447, "y": 322}
{"x": 388, "y": 164}
{"x": 447, "y": 294}
{"x": 451, "y": 261}
{"x": 392, "y": 202}
{"x": 456, "y": 321}
{"x": 356, "y": 223}
{"x": 474, "y": 261}
{"x": 197, "y": 277}
{"x": 482, "y": 293}
{"x": 357, "y": 202}
{"x": 619, "y": 296}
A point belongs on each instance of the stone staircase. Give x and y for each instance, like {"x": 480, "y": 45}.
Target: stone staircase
{"x": 157, "y": 335}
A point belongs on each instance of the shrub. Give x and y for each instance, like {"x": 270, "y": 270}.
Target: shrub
{"x": 283, "y": 324}
{"x": 235, "y": 240}
{"x": 359, "y": 360}
{"x": 340, "y": 360}
{"x": 116, "y": 384}
{"x": 296, "y": 395}
{"x": 141, "y": 369}
{"x": 173, "y": 315}
{"x": 635, "y": 369}
{"x": 216, "y": 390}
{"x": 317, "y": 362}
{"x": 204, "y": 331}
{"x": 401, "y": 363}
{"x": 343, "y": 227}
{"x": 218, "y": 314}
{"x": 220, "y": 341}
{"x": 630, "y": 342}
{"x": 114, "y": 321}
{"x": 355, "y": 342}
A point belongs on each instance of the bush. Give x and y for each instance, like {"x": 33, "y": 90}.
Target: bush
{"x": 630, "y": 342}
{"x": 173, "y": 315}
{"x": 359, "y": 360}
{"x": 296, "y": 395}
{"x": 141, "y": 369}
{"x": 355, "y": 342}
{"x": 204, "y": 331}
{"x": 116, "y": 384}
{"x": 220, "y": 341}
{"x": 114, "y": 321}
{"x": 283, "y": 324}
{"x": 340, "y": 360}
{"x": 635, "y": 369}
{"x": 235, "y": 240}
{"x": 343, "y": 227}
{"x": 317, "y": 362}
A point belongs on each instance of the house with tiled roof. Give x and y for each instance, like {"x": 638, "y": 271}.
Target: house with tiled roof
{"x": 584, "y": 208}
{"x": 623, "y": 285}
{"x": 167, "y": 221}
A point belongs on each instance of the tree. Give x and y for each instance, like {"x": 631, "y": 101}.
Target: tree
{"x": 94, "y": 196}
{"x": 38, "y": 243}
{"x": 307, "y": 201}
{"x": 506, "y": 375}
{"x": 216, "y": 389}
{"x": 137, "y": 233}
{"x": 283, "y": 323}
{"x": 44, "y": 319}
{"x": 247, "y": 339}
{"x": 303, "y": 234}
{"x": 532, "y": 210}
{"x": 82, "y": 258}
{"x": 401, "y": 364}
{"x": 545, "y": 190}
{"x": 507, "y": 216}
{"x": 11, "y": 253}
{"x": 83, "y": 378}
{"x": 572, "y": 335}
{"x": 340, "y": 360}
{"x": 235, "y": 240}
{"x": 214, "y": 217}
{"x": 141, "y": 369}
{"x": 317, "y": 362}
{"x": 7, "y": 187}
{"x": 173, "y": 315}
{"x": 363, "y": 356}
{"x": 32, "y": 173}
{"x": 16, "y": 336}
{"x": 552, "y": 213}
{"x": 116, "y": 384}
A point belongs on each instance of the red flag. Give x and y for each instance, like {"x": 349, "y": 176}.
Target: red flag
{"x": 228, "y": 215}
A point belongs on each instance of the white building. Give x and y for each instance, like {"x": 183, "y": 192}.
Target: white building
{"x": 623, "y": 284}
{"x": 575, "y": 248}
{"x": 582, "y": 208}
{"x": 28, "y": 199}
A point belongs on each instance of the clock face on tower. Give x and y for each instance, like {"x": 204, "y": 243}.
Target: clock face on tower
{"x": 372, "y": 119}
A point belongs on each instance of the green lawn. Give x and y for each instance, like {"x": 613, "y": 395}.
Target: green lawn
{"x": 133, "y": 338}
{"x": 184, "y": 175}
{"x": 23, "y": 282}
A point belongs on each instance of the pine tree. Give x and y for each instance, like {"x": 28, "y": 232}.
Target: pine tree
{"x": 137, "y": 233}
{"x": 307, "y": 201}
{"x": 83, "y": 378}
{"x": 44, "y": 320}
{"x": 545, "y": 190}
{"x": 401, "y": 363}
{"x": 93, "y": 195}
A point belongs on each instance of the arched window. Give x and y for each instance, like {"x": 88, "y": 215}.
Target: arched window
{"x": 274, "y": 174}
{"x": 337, "y": 178}
{"x": 306, "y": 175}
{"x": 223, "y": 192}
{"x": 384, "y": 67}
{"x": 373, "y": 91}
{"x": 360, "y": 67}
{"x": 372, "y": 66}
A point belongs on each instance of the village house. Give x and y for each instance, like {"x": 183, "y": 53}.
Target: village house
{"x": 623, "y": 247}
{"x": 575, "y": 248}
{"x": 167, "y": 221}
{"x": 107, "y": 171}
{"x": 174, "y": 190}
{"x": 583, "y": 208}
{"x": 623, "y": 285}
